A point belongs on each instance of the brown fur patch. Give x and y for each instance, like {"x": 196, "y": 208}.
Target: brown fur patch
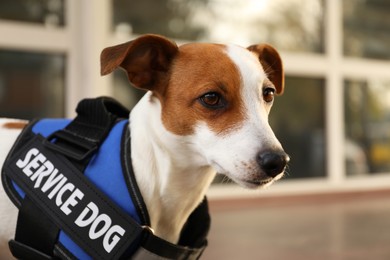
{"x": 272, "y": 64}
{"x": 200, "y": 68}
{"x": 15, "y": 125}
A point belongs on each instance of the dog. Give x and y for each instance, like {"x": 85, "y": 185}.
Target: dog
{"x": 205, "y": 113}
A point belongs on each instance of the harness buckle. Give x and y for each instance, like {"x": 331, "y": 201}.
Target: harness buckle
{"x": 149, "y": 229}
{"x": 71, "y": 145}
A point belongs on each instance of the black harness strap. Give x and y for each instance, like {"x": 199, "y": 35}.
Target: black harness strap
{"x": 83, "y": 136}
{"x": 36, "y": 235}
{"x": 192, "y": 238}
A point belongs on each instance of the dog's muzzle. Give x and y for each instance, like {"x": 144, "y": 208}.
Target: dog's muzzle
{"x": 273, "y": 163}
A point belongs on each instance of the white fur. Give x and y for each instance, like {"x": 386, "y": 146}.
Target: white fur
{"x": 171, "y": 170}
{"x": 8, "y": 211}
{"x": 238, "y": 159}
{"x": 174, "y": 172}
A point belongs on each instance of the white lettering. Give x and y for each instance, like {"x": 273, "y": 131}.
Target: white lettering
{"x": 102, "y": 219}
{"x": 52, "y": 180}
{"x": 71, "y": 201}
{"x": 42, "y": 172}
{"x": 34, "y": 164}
{"x": 81, "y": 221}
{"x": 21, "y": 164}
{"x": 46, "y": 176}
{"x": 100, "y": 225}
{"x": 59, "y": 185}
{"x": 114, "y": 234}
{"x": 67, "y": 187}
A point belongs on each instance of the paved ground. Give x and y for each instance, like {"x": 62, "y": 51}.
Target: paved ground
{"x": 356, "y": 226}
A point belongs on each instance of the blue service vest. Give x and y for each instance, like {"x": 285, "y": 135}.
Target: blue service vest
{"x": 106, "y": 160}
{"x": 41, "y": 166}
{"x": 108, "y": 171}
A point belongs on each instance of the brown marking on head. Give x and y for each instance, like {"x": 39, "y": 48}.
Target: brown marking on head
{"x": 201, "y": 68}
{"x": 178, "y": 77}
{"x": 272, "y": 64}
{"x": 146, "y": 60}
{"x": 14, "y": 125}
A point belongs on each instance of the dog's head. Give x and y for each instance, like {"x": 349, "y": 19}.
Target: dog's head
{"x": 220, "y": 95}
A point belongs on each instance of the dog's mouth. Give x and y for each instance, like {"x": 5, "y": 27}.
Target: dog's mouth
{"x": 257, "y": 182}
{"x": 260, "y": 182}
{"x": 250, "y": 183}
{"x": 254, "y": 184}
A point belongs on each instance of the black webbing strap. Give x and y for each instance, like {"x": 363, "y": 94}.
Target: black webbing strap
{"x": 36, "y": 235}
{"x": 192, "y": 239}
{"x": 82, "y": 137}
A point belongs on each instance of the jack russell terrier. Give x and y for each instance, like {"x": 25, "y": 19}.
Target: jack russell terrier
{"x": 205, "y": 112}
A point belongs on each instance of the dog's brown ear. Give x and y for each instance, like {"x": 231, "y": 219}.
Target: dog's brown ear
{"x": 146, "y": 59}
{"x": 272, "y": 64}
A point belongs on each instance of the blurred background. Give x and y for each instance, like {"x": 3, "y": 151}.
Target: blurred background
{"x": 333, "y": 120}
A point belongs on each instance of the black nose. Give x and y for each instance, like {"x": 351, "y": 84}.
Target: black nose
{"x": 273, "y": 163}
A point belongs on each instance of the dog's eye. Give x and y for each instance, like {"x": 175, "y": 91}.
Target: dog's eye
{"x": 212, "y": 100}
{"x": 268, "y": 94}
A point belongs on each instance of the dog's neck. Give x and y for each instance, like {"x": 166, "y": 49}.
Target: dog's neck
{"x": 171, "y": 173}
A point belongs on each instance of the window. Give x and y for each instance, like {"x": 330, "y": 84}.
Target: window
{"x": 31, "y": 84}
{"x": 289, "y": 25}
{"x": 47, "y": 12}
{"x": 298, "y": 121}
{"x": 37, "y": 58}
{"x": 367, "y": 126}
{"x": 366, "y": 28}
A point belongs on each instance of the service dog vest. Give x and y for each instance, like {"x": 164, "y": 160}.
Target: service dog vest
{"x": 77, "y": 196}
